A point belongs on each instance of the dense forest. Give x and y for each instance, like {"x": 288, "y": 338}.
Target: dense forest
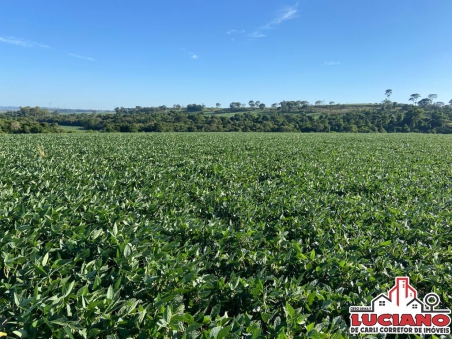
{"x": 288, "y": 116}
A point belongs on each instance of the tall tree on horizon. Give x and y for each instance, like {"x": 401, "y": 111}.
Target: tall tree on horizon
{"x": 388, "y": 93}
{"x": 425, "y": 102}
{"x": 414, "y": 97}
{"x": 432, "y": 97}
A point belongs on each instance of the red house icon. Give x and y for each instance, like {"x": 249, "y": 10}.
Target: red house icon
{"x": 402, "y": 292}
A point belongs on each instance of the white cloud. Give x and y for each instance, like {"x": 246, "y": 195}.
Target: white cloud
{"x": 232, "y": 31}
{"x": 190, "y": 54}
{"x": 267, "y": 26}
{"x": 81, "y": 57}
{"x": 283, "y": 14}
{"x": 256, "y": 34}
{"x": 332, "y": 63}
{"x": 21, "y": 42}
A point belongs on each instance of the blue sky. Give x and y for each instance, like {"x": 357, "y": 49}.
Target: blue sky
{"x": 101, "y": 54}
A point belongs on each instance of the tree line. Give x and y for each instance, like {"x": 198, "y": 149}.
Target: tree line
{"x": 423, "y": 116}
{"x": 415, "y": 119}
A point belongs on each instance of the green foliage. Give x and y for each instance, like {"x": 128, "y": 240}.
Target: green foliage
{"x": 194, "y": 108}
{"x": 216, "y": 235}
{"x": 291, "y": 116}
{"x": 27, "y": 125}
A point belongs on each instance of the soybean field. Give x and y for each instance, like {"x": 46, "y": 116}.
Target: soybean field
{"x": 216, "y": 235}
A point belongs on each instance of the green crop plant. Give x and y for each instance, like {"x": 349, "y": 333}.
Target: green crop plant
{"x": 216, "y": 235}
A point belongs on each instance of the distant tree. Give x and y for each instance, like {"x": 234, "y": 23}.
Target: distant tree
{"x": 388, "y": 93}
{"x": 450, "y": 102}
{"x": 275, "y": 105}
{"x": 39, "y": 112}
{"x": 251, "y": 104}
{"x": 257, "y": 103}
{"x": 15, "y": 125}
{"x": 439, "y": 103}
{"x": 235, "y": 105}
{"x": 412, "y": 117}
{"x": 386, "y": 102}
{"x": 158, "y": 127}
{"x": 283, "y": 106}
{"x": 288, "y": 106}
{"x": 331, "y": 102}
{"x": 318, "y": 102}
{"x": 218, "y": 105}
{"x": 177, "y": 106}
{"x": 194, "y": 108}
{"x": 438, "y": 119}
{"x": 23, "y": 112}
{"x": 425, "y": 102}
{"x": 304, "y": 103}
{"x": 414, "y": 97}
{"x": 432, "y": 97}
{"x": 262, "y": 106}
{"x": 36, "y": 111}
